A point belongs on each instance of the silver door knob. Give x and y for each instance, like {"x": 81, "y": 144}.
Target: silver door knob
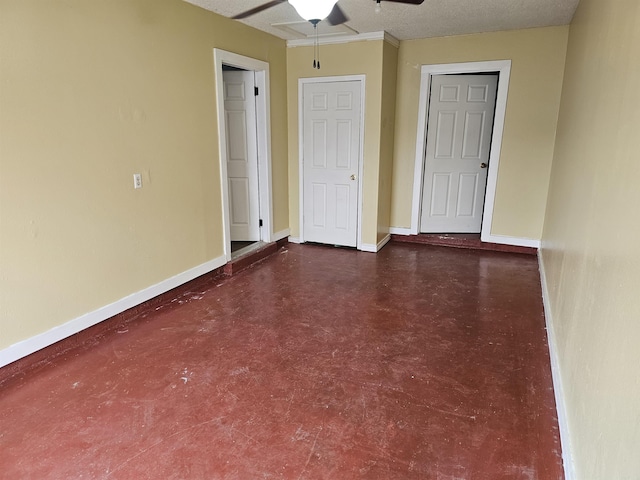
{"x": 483, "y": 165}
{"x": 353, "y": 176}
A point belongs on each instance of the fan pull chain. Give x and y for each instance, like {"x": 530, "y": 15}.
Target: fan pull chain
{"x": 316, "y": 46}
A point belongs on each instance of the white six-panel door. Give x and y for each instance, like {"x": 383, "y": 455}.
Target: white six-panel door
{"x": 459, "y": 128}
{"x": 331, "y": 151}
{"x": 242, "y": 155}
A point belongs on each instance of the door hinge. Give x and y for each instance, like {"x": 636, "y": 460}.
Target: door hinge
{"x": 255, "y": 91}
{"x": 260, "y": 222}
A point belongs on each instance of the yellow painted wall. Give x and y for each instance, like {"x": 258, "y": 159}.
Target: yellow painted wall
{"x": 387, "y": 130}
{"x": 534, "y": 96}
{"x": 357, "y": 58}
{"x": 591, "y": 237}
{"x": 90, "y": 93}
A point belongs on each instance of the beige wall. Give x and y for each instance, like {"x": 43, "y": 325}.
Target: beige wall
{"x": 90, "y": 93}
{"x": 357, "y": 58}
{"x": 534, "y": 95}
{"x": 591, "y": 238}
{"x": 387, "y": 128}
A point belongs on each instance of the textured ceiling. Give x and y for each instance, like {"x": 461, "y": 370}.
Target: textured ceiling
{"x": 434, "y": 18}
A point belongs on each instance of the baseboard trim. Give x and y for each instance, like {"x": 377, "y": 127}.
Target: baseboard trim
{"x": 369, "y": 247}
{"x": 400, "y": 231}
{"x": 561, "y": 408}
{"x": 515, "y": 241}
{"x": 383, "y": 242}
{"x": 277, "y": 236}
{"x": 31, "y": 345}
{"x": 295, "y": 239}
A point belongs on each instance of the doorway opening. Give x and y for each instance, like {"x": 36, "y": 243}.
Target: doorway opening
{"x": 331, "y": 132}
{"x": 240, "y": 247}
{"x": 440, "y": 183}
{"x": 242, "y": 157}
{"x": 459, "y": 125}
{"x": 242, "y": 93}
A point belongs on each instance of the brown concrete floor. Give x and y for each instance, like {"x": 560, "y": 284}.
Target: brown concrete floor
{"x": 320, "y": 363}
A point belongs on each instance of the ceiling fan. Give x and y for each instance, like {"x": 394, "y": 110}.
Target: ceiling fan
{"x": 315, "y": 11}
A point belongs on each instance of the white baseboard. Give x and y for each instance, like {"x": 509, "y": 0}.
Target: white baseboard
{"x": 281, "y": 234}
{"x": 383, "y": 242}
{"x": 563, "y": 424}
{"x": 501, "y": 239}
{"x": 399, "y": 231}
{"x": 294, "y": 240}
{"x": 369, "y": 247}
{"x": 504, "y": 240}
{"x": 38, "y": 342}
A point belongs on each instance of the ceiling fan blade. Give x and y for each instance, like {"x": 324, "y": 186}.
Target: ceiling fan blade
{"x": 411, "y": 2}
{"x": 258, "y": 9}
{"x": 337, "y": 16}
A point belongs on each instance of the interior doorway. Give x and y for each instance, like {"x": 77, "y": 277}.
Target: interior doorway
{"x": 428, "y": 72}
{"x": 331, "y": 133}
{"x": 459, "y": 127}
{"x": 242, "y": 92}
{"x": 242, "y": 156}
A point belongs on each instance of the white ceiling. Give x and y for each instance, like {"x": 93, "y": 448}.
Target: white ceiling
{"x": 434, "y": 18}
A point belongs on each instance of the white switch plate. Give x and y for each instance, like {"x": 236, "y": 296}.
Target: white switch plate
{"x": 137, "y": 180}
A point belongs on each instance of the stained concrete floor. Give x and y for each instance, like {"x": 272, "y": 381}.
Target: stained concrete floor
{"x": 419, "y": 362}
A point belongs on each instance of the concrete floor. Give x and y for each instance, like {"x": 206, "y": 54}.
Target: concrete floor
{"x": 419, "y": 362}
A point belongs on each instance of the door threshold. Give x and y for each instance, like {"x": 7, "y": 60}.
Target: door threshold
{"x": 251, "y": 255}
{"x": 248, "y": 249}
{"x": 462, "y": 240}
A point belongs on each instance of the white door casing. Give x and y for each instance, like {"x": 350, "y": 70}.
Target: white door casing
{"x": 263, "y": 120}
{"x": 460, "y": 120}
{"x": 503, "y": 67}
{"x": 331, "y": 147}
{"x": 242, "y": 155}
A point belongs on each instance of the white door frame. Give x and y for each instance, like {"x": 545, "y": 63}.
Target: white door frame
{"x": 344, "y": 78}
{"x": 503, "y": 67}
{"x": 263, "y": 117}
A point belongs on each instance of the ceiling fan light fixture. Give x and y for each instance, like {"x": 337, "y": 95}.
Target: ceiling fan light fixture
{"x": 313, "y": 9}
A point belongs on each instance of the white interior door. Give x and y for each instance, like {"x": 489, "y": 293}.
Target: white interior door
{"x": 242, "y": 155}
{"x": 459, "y": 128}
{"x": 332, "y": 114}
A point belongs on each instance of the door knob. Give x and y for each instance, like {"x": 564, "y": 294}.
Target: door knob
{"x": 483, "y": 165}
{"x": 353, "y": 176}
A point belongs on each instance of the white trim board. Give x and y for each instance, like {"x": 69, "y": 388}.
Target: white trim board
{"x": 280, "y": 235}
{"x": 558, "y": 389}
{"x": 361, "y": 37}
{"x": 504, "y": 240}
{"x": 263, "y": 116}
{"x": 399, "y": 231}
{"x": 301, "y": 83}
{"x": 369, "y": 247}
{"x": 501, "y": 239}
{"x": 38, "y": 342}
{"x": 503, "y": 67}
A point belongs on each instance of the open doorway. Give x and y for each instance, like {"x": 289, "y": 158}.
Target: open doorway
{"x": 242, "y": 92}
{"x": 459, "y": 129}
{"x": 428, "y": 72}
{"x": 242, "y": 157}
